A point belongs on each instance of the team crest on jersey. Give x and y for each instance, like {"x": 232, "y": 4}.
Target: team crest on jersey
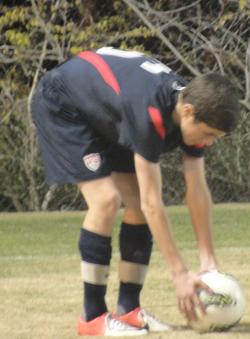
{"x": 177, "y": 86}
{"x": 92, "y": 161}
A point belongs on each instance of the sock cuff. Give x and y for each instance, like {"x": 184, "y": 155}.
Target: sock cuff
{"x": 94, "y": 236}
{"x": 130, "y": 226}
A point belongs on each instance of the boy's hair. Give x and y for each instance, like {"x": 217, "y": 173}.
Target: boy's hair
{"x": 215, "y": 101}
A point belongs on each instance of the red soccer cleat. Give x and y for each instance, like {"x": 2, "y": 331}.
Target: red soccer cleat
{"x": 107, "y": 325}
{"x": 141, "y": 319}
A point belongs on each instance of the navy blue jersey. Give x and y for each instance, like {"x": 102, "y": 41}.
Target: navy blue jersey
{"x": 126, "y": 97}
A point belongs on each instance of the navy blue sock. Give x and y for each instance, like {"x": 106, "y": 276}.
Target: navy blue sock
{"x": 94, "y": 249}
{"x": 94, "y": 300}
{"x": 129, "y": 297}
{"x": 135, "y": 246}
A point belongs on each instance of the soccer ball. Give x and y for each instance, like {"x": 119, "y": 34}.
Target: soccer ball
{"x": 224, "y": 308}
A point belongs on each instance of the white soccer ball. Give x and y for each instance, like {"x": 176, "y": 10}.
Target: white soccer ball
{"x": 224, "y": 308}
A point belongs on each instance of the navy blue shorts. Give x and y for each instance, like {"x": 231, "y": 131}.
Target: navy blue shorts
{"x": 71, "y": 150}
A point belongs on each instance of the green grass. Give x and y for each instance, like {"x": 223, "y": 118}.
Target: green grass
{"x": 40, "y": 287}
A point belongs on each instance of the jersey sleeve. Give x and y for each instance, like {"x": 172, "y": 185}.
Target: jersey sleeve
{"x": 141, "y": 137}
{"x": 143, "y": 129}
{"x": 147, "y": 118}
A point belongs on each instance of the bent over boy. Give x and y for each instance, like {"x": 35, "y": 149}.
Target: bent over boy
{"x": 103, "y": 120}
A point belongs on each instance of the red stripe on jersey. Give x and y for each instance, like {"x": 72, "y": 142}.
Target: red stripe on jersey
{"x": 103, "y": 68}
{"x": 157, "y": 120}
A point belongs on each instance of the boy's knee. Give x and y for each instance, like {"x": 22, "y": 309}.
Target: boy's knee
{"x": 110, "y": 202}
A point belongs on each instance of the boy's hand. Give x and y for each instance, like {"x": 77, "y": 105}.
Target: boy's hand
{"x": 187, "y": 285}
{"x": 210, "y": 265}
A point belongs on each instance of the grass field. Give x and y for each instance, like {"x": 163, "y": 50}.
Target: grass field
{"x": 40, "y": 287}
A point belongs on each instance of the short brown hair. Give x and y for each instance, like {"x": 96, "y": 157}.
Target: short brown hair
{"x": 215, "y": 101}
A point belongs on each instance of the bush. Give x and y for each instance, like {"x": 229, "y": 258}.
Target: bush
{"x": 198, "y": 37}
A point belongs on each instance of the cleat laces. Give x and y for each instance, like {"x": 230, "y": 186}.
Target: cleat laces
{"x": 153, "y": 323}
{"x": 116, "y": 324}
{"x": 150, "y": 317}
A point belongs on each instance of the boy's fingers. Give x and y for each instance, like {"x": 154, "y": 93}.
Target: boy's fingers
{"x": 190, "y": 310}
{"x": 203, "y": 286}
{"x": 198, "y": 303}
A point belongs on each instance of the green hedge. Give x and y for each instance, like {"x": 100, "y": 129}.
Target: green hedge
{"x": 199, "y": 37}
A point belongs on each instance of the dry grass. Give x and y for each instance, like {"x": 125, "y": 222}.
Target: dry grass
{"x": 41, "y": 294}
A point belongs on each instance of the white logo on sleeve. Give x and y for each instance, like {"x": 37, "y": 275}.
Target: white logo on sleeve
{"x": 177, "y": 86}
{"x": 92, "y": 161}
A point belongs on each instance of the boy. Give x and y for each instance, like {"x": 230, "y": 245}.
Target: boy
{"x": 103, "y": 120}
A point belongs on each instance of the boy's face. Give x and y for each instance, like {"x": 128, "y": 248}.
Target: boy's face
{"x": 195, "y": 132}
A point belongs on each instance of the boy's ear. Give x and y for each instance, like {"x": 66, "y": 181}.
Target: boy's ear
{"x": 188, "y": 110}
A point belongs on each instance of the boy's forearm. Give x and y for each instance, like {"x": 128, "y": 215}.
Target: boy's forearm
{"x": 200, "y": 206}
{"x": 150, "y": 185}
{"x": 160, "y": 228}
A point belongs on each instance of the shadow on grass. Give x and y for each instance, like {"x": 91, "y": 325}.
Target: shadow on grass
{"x": 243, "y": 327}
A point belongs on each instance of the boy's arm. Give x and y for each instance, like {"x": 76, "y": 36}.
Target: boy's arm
{"x": 200, "y": 207}
{"x": 187, "y": 283}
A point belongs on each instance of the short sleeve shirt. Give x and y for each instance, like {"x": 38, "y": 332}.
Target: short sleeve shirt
{"x": 128, "y": 98}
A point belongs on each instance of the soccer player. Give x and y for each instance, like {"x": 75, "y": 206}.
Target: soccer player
{"x": 103, "y": 120}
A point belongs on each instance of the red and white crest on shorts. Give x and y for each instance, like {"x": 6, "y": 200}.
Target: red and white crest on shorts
{"x": 92, "y": 161}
